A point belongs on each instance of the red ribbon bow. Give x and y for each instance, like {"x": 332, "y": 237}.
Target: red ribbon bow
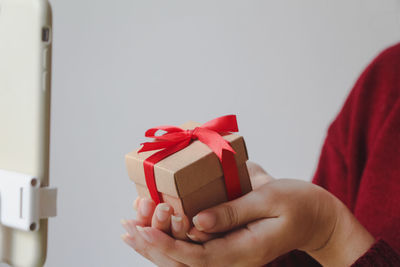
{"x": 175, "y": 139}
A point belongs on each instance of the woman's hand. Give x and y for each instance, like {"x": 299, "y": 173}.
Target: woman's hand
{"x": 272, "y": 220}
{"x": 163, "y": 218}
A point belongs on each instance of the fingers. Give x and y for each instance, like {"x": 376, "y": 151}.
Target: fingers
{"x": 162, "y": 217}
{"x": 164, "y": 220}
{"x": 232, "y": 251}
{"x": 184, "y": 252}
{"x": 230, "y": 215}
{"x": 238, "y": 248}
{"x": 134, "y": 240}
{"x": 131, "y": 239}
{"x": 136, "y": 203}
{"x": 180, "y": 226}
{"x": 200, "y": 237}
{"x": 145, "y": 209}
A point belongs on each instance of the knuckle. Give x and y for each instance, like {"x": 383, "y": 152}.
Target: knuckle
{"x": 231, "y": 216}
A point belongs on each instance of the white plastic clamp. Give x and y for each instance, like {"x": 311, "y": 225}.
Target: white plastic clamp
{"x": 23, "y": 202}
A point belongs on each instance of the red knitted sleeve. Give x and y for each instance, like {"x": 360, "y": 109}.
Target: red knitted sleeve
{"x": 359, "y": 161}
{"x": 380, "y": 254}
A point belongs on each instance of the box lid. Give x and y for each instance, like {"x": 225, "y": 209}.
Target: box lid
{"x": 188, "y": 169}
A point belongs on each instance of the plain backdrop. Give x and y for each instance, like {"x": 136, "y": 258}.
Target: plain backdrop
{"x": 121, "y": 67}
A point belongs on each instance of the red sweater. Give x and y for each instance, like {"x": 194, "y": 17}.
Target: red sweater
{"x": 360, "y": 161}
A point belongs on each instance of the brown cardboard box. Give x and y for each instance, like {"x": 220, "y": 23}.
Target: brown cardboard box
{"x": 192, "y": 179}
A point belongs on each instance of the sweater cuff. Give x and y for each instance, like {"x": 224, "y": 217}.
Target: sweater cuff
{"x": 380, "y": 254}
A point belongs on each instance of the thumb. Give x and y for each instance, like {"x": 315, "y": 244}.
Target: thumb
{"x": 232, "y": 214}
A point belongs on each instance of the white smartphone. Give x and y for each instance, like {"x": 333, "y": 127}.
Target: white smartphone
{"x": 25, "y": 75}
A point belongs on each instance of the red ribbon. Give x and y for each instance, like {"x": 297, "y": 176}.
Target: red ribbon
{"x": 175, "y": 139}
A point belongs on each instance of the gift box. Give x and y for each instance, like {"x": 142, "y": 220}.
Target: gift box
{"x": 190, "y": 179}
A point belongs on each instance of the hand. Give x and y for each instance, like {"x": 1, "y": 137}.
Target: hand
{"x": 163, "y": 218}
{"x": 272, "y": 220}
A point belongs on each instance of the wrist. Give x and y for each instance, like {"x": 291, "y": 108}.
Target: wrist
{"x": 348, "y": 240}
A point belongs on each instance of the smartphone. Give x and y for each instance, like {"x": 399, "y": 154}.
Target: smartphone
{"x": 25, "y": 78}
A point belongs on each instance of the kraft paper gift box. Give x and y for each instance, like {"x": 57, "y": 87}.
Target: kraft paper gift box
{"x": 190, "y": 180}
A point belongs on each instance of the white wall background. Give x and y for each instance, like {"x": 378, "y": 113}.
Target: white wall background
{"x": 120, "y": 67}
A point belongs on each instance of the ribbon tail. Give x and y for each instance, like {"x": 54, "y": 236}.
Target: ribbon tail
{"x": 231, "y": 175}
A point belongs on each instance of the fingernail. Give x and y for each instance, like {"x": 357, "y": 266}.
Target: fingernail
{"x": 176, "y": 222}
{"x": 136, "y": 203}
{"x": 145, "y": 208}
{"x": 192, "y": 237}
{"x": 126, "y": 226}
{"x": 162, "y": 212}
{"x": 144, "y": 234}
{"x": 204, "y": 221}
{"x": 128, "y": 240}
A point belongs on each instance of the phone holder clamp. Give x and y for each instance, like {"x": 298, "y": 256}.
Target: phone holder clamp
{"x": 23, "y": 202}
